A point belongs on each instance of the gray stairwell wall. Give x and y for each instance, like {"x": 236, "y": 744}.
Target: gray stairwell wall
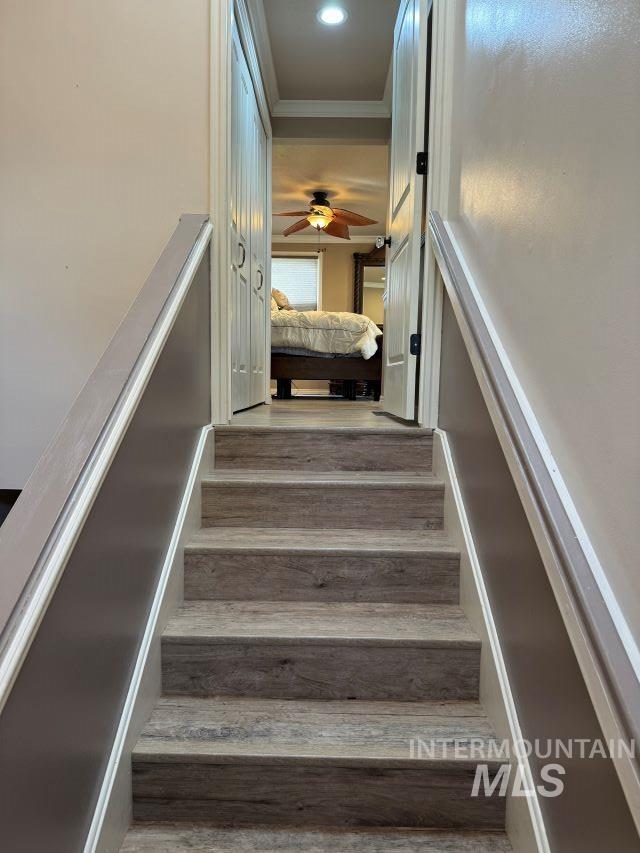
{"x": 59, "y": 722}
{"x": 551, "y": 699}
{"x": 546, "y": 209}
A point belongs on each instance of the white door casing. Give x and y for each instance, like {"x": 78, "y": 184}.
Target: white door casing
{"x": 405, "y": 206}
{"x": 443, "y": 47}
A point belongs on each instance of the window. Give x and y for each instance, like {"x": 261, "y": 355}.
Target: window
{"x": 298, "y": 277}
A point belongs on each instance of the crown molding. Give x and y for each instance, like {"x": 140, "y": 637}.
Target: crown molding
{"x": 358, "y": 240}
{"x": 258, "y": 20}
{"x": 322, "y": 140}
{"x": 330, "y": 109}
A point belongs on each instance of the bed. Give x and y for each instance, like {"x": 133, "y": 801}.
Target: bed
{"x": 336, "y": 346}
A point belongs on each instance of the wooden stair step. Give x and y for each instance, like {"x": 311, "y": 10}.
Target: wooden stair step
{"x": 329, "y": 449}
{"x": 426, "y": 626}
{"x": 176, "y": 838}
{"x": 314, "y": 763}
{"x": 321, "y": 650}
{"x": 317, "y": 499}
{"x": 273, "y": 730}
{"x": 280, "y": 564}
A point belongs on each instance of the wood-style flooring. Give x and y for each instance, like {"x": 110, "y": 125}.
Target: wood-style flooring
{"x": 319, "y": 413}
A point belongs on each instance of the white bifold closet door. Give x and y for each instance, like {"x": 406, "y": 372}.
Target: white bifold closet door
{"x": 248, "y": 238}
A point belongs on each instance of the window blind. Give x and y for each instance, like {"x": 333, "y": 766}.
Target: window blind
{"x": 298, "y": 279}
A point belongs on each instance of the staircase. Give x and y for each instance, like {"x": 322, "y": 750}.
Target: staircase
{"x": 320, "y": 635}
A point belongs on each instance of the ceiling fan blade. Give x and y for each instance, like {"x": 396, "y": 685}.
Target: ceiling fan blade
{"x": 297, "y": 226}
{"x": 293, "y": 213}
{"x": 352, "y": 218}
{"x": 337, "y": 229}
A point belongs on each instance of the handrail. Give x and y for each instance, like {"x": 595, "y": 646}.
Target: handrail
{"x": 614, "y": 668}
{"x": 39, "y": 533}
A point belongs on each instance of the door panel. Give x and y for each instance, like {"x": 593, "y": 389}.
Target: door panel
{"x": 394, "y": 340}
{"x": 405, "y": 206}
{"x": 258, "y": 260}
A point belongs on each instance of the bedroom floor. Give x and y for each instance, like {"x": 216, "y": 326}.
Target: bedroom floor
{"x": 318, "y": 413}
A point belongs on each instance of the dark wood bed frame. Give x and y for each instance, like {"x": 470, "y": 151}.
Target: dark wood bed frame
{"x": 349, "y": 371}
{"x": 284, "y": 368}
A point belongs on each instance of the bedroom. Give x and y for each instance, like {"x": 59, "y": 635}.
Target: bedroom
{"x": 321, "y": 272}
{"x": 312, "y": 218}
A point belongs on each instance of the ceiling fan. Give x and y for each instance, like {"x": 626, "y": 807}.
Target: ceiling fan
{"x": 321, "y": 216}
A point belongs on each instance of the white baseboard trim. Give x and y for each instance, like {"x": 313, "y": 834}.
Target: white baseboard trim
{"x": 525, "y": 824}
{"x": 112, "y": 815}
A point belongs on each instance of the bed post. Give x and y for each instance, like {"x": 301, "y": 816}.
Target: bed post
{"x": 283, "y": 391}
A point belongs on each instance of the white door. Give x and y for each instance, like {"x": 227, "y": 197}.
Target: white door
{"x": 248, "y": 237}
{"x": 405, "y": 206}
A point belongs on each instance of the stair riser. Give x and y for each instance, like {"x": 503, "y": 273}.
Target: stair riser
{"x": 322, "y": 505}
{"x": 323, "y": 450}
{"x": 299, "y": 670}
{"x": 424, "y": 579}
{"x": 300, "y": 795}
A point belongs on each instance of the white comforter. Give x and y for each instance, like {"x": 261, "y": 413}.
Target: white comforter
{"x": 324, "y": 331}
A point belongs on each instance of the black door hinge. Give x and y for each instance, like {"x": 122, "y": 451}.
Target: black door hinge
{"x": 421, "y": 163}
{"x": 415, "y": 344}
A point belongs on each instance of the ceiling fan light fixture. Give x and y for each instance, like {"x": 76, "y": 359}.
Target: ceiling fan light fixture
{"x": 331, "y": 16}
{"x": 335, "y": 221}
{"x": 319, "y": 220}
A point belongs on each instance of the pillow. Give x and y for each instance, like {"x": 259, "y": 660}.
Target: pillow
{"x": 274, "y": 305}
{"x": 281, "y": 300}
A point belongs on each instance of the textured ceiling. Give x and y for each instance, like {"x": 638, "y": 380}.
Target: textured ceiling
{"x": 347, "y": 62}
{"x": 355, "y": 177}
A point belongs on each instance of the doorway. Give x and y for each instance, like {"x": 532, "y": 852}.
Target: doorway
{"x": 354, "y": 174}
{"x": 340, "y": 156}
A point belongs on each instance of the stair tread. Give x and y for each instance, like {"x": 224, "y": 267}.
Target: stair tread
{"x": 353, "y": 732}
{"x": 429, "y": 625}
{"x": 319, "y": 540}
{"x": 311, "y": 478}
{"x": 175, "y": 838}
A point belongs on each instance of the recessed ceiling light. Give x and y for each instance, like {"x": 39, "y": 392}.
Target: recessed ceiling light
{"x": 332, "y": 15}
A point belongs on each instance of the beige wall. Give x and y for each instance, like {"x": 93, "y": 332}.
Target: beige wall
{"x": 105, "y": 138}
{"x": 547, "y": 210}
